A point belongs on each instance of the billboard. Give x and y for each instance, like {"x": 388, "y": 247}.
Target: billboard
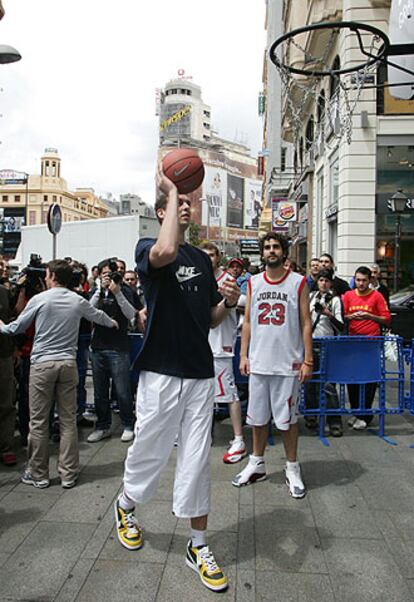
{"x": 12, "y": 222}
{"x": 175, "y": 120}
{"x": 235, "y": 201}
{"x": 215, "y": 193}
{"x": 252, "y": 204}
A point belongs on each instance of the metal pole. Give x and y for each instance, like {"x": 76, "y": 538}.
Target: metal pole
{"x": 54, "y": 246}
{"x": 208, "y": 218}
{"x": 397, "y": 252}
{"x": 26, "y": 202}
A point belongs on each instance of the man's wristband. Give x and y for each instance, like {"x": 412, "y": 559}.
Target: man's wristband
{"x": 308, "y": 363}
{"x": 227, "y": 306}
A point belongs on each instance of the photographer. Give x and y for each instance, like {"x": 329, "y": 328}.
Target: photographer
{"x": 326, "y": 316}
{"x": 56, "y": 313}
{"x": 110, "y": 353}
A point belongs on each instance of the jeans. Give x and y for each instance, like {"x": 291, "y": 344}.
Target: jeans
{"x": 353, "y": 394}
{"x": 108, "y": 364}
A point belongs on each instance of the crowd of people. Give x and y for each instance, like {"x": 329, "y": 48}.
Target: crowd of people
{"x": 190, "y": 305}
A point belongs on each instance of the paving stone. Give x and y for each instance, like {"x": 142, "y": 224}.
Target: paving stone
{"x": 364, "y": 570}
{"x": 403, "y": 555}
{"x": 75, "y": 580}
{"x": 336, "y": 506}
{"x": 384, "y": 489}
{"x": 246, "y": 547}
{"x": 40, "y": 566}
{"x": 3, "y": 558}
{"x": 297, "y": 587}
{"x": 285, "y": 542}
{"x": 111, "y": 580}
{"x": 246, "y": 585}
{"x": 187, "y": 586}
{"x": 19, "y": 513}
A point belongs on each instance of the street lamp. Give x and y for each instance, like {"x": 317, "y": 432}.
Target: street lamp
{"x": 8, "y": 54}
{"x": 398, "y": 202}
{"x": 206, "y": 200}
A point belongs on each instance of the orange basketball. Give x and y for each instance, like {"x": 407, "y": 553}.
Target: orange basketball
{"x": 184, "y": 167}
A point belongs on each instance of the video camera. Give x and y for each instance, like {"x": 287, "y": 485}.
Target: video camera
{"x": 35, "y": 270}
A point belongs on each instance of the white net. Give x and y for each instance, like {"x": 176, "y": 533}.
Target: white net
{"x": 333, "y": 96}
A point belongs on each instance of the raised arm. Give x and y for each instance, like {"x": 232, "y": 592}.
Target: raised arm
{"x": 165, "y": 250}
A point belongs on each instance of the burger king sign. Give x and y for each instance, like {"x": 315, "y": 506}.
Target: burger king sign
{"x": 283, "y": 212}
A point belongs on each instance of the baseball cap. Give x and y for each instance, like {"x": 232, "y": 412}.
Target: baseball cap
{"x": 236, "y": 260}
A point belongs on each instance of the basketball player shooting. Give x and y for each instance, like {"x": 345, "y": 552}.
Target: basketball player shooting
{"x": 176, "y": 386}
{"x": 276, "y": 352}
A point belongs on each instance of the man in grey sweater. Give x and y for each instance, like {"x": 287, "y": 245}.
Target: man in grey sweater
{"x": 53, "y": 373}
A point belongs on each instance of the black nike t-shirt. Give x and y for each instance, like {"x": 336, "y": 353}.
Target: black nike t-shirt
{"x": 179, "y": 300}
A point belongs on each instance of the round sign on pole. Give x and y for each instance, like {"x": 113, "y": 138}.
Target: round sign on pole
{"x": 54, "y": 218}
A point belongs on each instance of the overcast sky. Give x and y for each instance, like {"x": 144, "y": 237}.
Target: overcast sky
{"x": 86, "y": 82}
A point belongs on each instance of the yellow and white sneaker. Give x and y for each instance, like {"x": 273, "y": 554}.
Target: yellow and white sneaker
{"x": 129, "y": 532}
{"x": 202, "y": 561}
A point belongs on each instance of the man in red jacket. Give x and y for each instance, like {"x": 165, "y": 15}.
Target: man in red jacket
{"x": 366, "y": 311}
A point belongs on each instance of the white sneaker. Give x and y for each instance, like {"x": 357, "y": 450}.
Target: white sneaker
{"x": 359, "y": 425}
{"x": 236, "y": 452}
{"x": 294, "y": 482}
{"x": 252, "y": 472}
{"x": 98, "y": 435}
{"x": 127, "y": 435}
{"x": 351, "y": 420}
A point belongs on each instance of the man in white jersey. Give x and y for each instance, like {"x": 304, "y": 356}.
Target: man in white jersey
{"x": 276, "y": 351}
{"x": 222, "y": 340}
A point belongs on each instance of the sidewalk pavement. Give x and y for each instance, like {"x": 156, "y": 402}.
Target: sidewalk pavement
{"x": 350, "y": 539}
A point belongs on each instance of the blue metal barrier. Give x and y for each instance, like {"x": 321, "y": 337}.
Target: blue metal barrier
{"x": 339, "y": 361}
{"x": 360, "y": 363}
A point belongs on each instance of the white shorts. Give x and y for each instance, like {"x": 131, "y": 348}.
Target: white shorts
{"x": 273, "y": 395}
{"x": 167, "y": 406}
{"x": 225, "y": 390}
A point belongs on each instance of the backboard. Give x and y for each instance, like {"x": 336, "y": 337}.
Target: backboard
{"x": 401, "y": 31}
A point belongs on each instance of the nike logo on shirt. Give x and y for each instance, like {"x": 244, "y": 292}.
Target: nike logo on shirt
{"x": 185, "y": 273}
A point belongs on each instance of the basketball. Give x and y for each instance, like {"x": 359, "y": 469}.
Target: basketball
{"x": 184, "y": 167}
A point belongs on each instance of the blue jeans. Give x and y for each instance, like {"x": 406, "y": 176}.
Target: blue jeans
{"x": 106, "y": 365}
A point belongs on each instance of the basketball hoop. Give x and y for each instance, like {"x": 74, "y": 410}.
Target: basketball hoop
{"x": 304, "y": 63}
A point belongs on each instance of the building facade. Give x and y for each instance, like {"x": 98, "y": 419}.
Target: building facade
{"x": 228, "y": 205}
{"x": 348, "y": 183}
{"x": 25, "y": 200}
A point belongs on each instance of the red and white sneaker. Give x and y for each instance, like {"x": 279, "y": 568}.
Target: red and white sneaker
{"x": 236, "y": 452}
{"x": 252, "y": 472}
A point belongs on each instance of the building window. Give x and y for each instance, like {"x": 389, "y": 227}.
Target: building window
{"x": 32, "y": 218}
{"x": 4, "y": 198}
{"x": 334, "y": 83}
{"x": 206, "y": 113}
{"x": 334, "y": 181}
{"x": 283, "y": 152}
{"x": 45, "y": 198}
{"x": 206, "y": 125}
{"x": 54, "y": 169}
{"x": 318, "y": 215}
{"x": 47, "y": 168}
{"x": 54, "y": 198}
{"x": 17, "y": 198}
{"x": 309, "y": 134}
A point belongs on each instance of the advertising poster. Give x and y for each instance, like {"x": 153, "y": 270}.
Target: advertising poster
{"x": 175, "y": 120}
{"x": 13, "y": 220}
{"x": 252, "y": 204}
{"x": 215, "y": 193}
{"x": 278, "y": 224}
{"x": 235, "y": 198}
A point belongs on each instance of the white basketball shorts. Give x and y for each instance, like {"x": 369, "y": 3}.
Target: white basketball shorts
{"x": 273, "y": 395}
{"x": 225, "y": 390}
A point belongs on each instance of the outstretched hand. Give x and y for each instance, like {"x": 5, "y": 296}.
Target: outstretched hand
{"x": 230, "y": 292}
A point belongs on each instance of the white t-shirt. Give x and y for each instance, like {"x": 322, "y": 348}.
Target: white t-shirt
{"x": 222, "y": 339}
{"x": 276, "y": 344}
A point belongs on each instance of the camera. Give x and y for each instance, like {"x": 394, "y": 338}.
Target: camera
{"x": 114, "y": 275}
{"x": 318, "y": 307}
